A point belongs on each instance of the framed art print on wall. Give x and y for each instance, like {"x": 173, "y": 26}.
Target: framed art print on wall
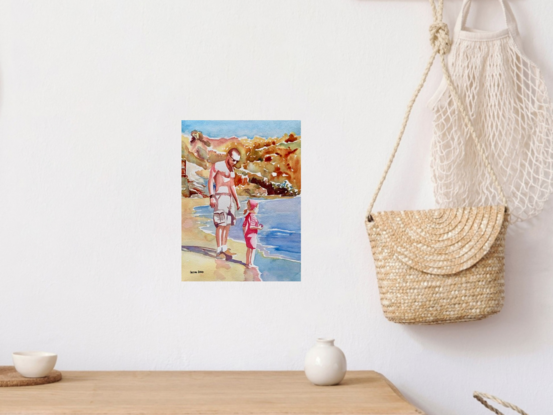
{"x": 241, "y": 200}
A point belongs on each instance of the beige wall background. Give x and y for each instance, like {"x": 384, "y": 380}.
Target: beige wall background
{"x": 92, "y": 94}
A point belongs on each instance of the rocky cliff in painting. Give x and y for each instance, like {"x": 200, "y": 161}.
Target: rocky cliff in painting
{"x": 268, "y": 166}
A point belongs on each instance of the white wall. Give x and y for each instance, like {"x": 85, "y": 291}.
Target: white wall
{"x": 91, "y": 98}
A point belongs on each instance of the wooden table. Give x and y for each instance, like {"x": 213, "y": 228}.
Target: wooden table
{"x": 213, "y": 393}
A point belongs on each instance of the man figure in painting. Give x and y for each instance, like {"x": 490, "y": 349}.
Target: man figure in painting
{"x": 221, "y": 199}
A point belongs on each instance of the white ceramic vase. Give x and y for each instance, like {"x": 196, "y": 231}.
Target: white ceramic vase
{"x": 325, "y": 364}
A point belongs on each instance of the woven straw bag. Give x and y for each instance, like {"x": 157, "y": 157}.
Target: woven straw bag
{"x": 481, "y": 397}
{"x": 442, "y": 265}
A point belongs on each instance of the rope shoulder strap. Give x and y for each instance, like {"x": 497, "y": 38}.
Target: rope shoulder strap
{"x": 441, "y": 45}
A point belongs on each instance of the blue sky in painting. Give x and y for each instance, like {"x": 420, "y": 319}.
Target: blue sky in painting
{"x": 216, "y": 129}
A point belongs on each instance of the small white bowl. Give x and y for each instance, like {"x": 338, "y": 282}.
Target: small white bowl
{"x": 34, "y": 364}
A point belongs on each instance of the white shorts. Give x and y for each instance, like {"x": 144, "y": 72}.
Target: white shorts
{"x": 224, "y": 212}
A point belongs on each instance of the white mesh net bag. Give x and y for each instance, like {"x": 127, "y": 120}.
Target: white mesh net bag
{"x": 508, "y": 103}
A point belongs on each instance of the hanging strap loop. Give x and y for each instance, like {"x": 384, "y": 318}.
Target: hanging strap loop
{"x": 441, "y": 44}
{"x": 510, "y": 19}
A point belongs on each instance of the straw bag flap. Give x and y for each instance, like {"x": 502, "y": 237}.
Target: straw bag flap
{"x": 438, "y": 241}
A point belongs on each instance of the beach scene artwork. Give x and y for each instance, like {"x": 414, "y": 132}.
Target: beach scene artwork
{"x": 241, "y": 200}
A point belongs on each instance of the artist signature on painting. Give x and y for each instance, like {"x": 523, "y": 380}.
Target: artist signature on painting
{"x": 196, "y": 272}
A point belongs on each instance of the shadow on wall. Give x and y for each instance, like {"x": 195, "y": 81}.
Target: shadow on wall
{"x": 524, "y": 323}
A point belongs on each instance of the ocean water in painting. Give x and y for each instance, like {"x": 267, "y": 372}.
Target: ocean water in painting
{"x": 281, "y": 233}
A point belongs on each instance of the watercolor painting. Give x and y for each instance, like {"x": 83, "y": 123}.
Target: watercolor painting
{"x": 241, "y": 200}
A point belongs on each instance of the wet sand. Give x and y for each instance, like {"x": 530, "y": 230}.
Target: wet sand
{"x": 199, "y": 249}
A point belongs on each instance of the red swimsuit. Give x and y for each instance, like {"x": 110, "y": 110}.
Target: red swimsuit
{"x": 250, "y": 234}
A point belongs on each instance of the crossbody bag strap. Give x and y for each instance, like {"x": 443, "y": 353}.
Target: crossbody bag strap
{"x": 441, "y": 45}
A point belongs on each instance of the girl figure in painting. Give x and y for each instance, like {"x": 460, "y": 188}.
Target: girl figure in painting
{"x": 250, "y": 227}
